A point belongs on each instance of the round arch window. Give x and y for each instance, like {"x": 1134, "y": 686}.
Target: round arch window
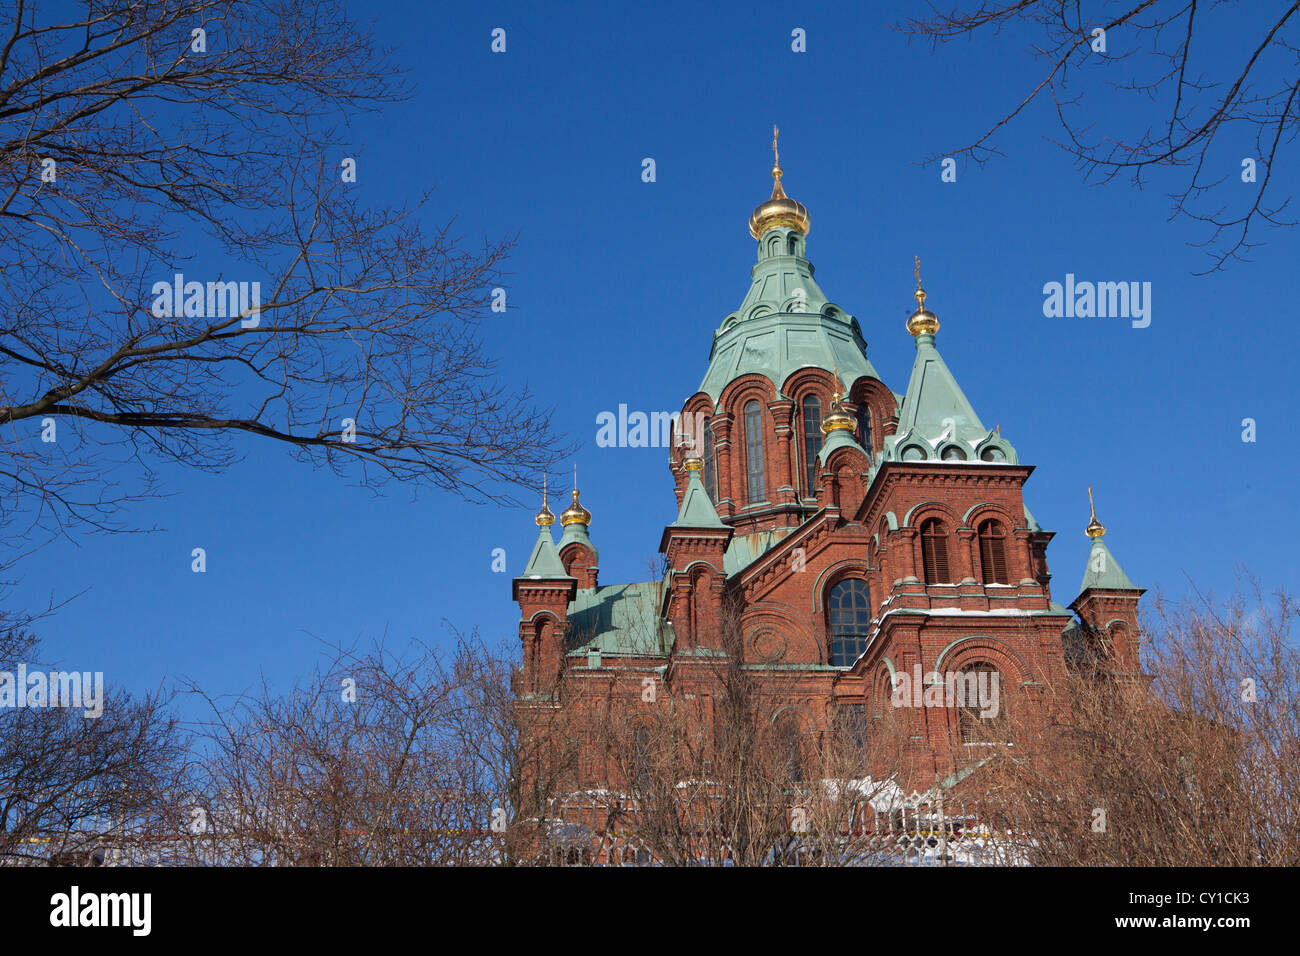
{"x": 848, "y": 609}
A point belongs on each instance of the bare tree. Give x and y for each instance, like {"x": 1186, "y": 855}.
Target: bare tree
{"x": 375, "y": 760}
{"x": 188, "y": 263}
{"x": 1198, "y": 770}
{"x": 80, "y": 778}
{"x": 736, "y": 772}
{"x": 1202, "y": 106}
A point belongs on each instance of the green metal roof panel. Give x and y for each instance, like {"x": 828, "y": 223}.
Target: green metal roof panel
{"x": 839, "y": 438}
{"x": 936, "y": 416}
{"x": 1103, "y": 571}
{"x": 617, "y": 619}
{"x": 784, "y": 324}
{"x": 545, "y": 561}
{"x": 697, "y": 510}
{"x": 576, "y": 534}
{"x": 1030, "y": 521}
{"x": 745, "y": 549}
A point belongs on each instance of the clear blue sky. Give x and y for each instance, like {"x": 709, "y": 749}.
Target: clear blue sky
{"x": 617, "y": 285}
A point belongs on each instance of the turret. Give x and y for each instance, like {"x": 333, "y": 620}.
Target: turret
{"x": 1107, "y": 605}
{"x": 695, "y": 545}
{"x": 576, "y": 551}
{"x": 543, "y": 592}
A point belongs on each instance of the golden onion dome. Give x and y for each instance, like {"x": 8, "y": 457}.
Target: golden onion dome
{"x": 838, "y": 418}
{"x": 1095, "y": 528}
{"x": 922, "y": 321}
{"x": 693, "y": 464}
{"x": 780, "y": 210}
{"x": 544, "y": 517}
{"x": 575, "y": 513}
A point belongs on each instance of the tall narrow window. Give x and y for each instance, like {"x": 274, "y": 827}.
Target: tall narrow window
{"x": 790, "y": 739}
{"x": 851, "y": 729}
{"x": 709, "y": 473}
{"x": 812, "y": 442}
{"x": 754, "y": 450}
{"x": 993, "y": 552}
{"x": 849, "y": 610}
{"x": 934, "y": 552}
{"x": 864, "y": 428}
{"x": 641, "y": 758}
{"x": 982, "y": 712}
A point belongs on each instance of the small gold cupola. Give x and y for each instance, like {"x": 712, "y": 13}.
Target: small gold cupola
{"x": 545, "y": 518}
{"x": 575, "y": 513}
{"x": 780, "y": 210}
{"x": 838, "y": 418}
{"x": 1095, "y": 528}
{"x": 922, "y": 321}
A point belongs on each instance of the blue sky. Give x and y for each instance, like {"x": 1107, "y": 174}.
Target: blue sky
{"x": 617, "y": 285}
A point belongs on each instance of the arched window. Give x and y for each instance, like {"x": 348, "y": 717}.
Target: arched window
{"x": 849, "y": 610}
{"x": 812, "y": 442}
{"x": 884, "y": 695}
{"x": 641, "y": 758}
{"x": 709, "y": 466}
{"x": 934, "y": 552}
{"x": 864, "y": 428}
{"x": 981, "y": 703}
{"x": 993, "y": 552}
{"x": 754, "y": 451}
{"x": 851, "y": 729}
{"x": 790, "y": 741}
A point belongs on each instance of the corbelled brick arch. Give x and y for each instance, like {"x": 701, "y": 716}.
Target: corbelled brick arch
{"x": 1017, "y": 679}
{"x": 1018, "y": 559}
{"x": 756, "y": 473}
{"x": 805, "y": 386}
{"x": 876, "y": 407}
{"x": 919, "y": 521}
{"x": 778, "y": 633}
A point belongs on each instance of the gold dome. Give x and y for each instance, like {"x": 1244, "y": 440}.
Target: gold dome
{"x": 544, "y": 517}
{"x": 780, "y": 210}
{"x": 1095, "y": 528}
{"x": 693, "y": 464}
{"x": 922, "y": 321}
{"x": 575, "y": 513}
{"x": 838, "y": 418}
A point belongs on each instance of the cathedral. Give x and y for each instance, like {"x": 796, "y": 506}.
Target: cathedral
{"x": 857, "y": 539}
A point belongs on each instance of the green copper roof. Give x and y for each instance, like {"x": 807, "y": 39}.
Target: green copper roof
{"x": 785, "y": 324}
{"x": 745, "y": 549}
{"x": 937, "y": 422}
{"x": 838, "y": 438}
{"x": 697, "y": 510}
{"x": 1103, "y": 571}
{"x": 576, "y": 533}
{"x": 1030, "y": 521}
{"x": 618, "y": 619}
{"x": 545, "y": 560}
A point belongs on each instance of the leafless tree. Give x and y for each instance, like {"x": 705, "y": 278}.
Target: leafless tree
{"x": 208, "y": 138}
{"x": 736, "y": 772}
{"x": 377, "y": 759}
{"x": 75, "y": 785}
{"x": 1203, "y": 105}
{"x": 1198, "y": 769}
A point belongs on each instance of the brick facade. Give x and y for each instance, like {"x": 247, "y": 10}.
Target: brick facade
{"x": 862, "y": 517}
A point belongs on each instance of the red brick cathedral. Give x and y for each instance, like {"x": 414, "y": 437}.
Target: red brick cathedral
{"x": 861, "y": 538}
